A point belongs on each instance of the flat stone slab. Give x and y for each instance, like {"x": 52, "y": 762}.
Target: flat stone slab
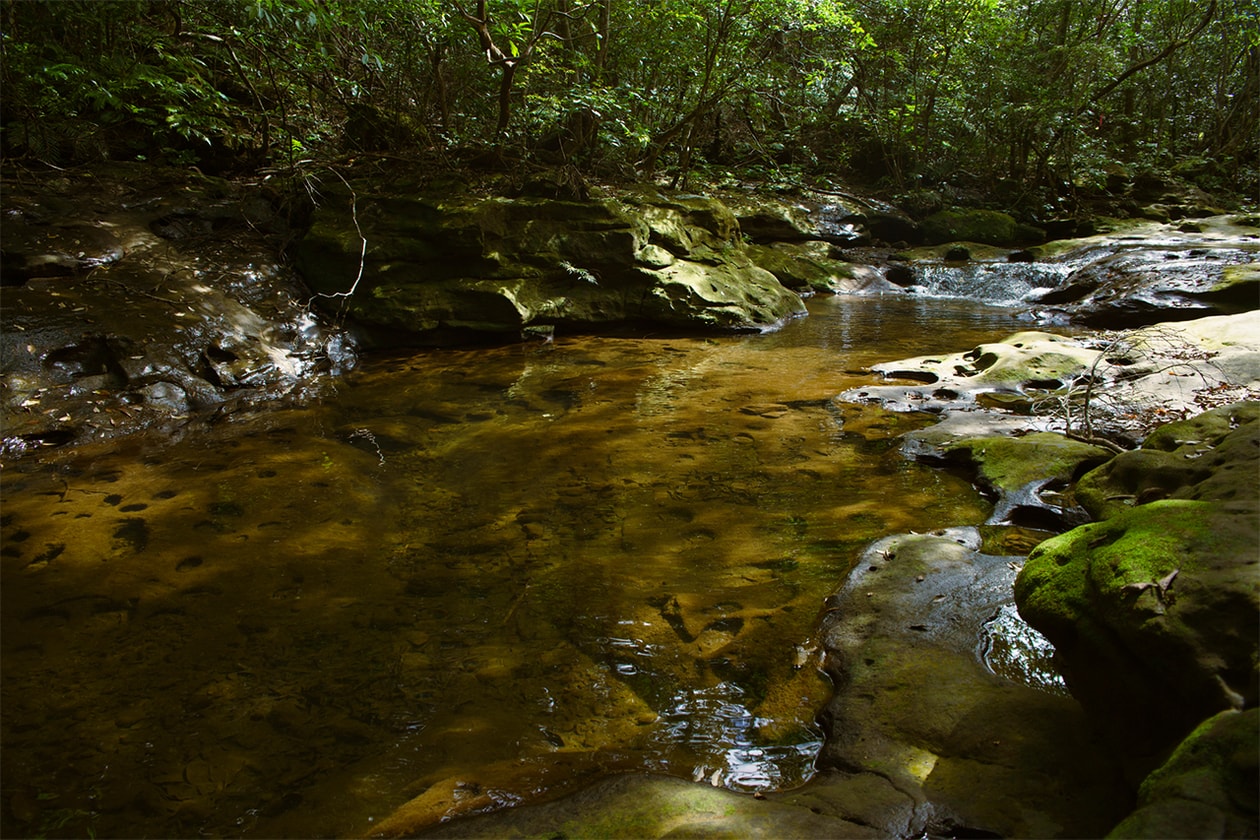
{"x": 646, "y": 807}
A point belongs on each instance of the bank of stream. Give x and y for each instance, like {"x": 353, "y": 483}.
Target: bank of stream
{"x": 522, "y": 568}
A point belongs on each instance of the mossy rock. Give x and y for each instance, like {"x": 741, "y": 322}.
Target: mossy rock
{"x": 1207, "y": 788}
{"x": 766, "y": 220}
{"x": 1214, "y": 456}
{"x": 1007, "y": 464}
{"x": 1154, "y": 616}
{"x": 429, "y": 268}
{"x": 1029, "y": 359}
{"x": 1238, "y": 289}
{"x": 991, "y": 227}
{"x": 802, "y": 266}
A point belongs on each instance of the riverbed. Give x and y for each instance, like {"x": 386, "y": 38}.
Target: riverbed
{"x": 523, "y": 566}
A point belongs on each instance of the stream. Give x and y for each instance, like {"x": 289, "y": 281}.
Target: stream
{"x": 523, "y": 566}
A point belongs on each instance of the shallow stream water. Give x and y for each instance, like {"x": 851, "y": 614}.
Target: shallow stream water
{"x": 506, "y": 569}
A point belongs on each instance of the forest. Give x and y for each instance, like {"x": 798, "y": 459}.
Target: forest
{"x": 1029, "y": 104}
{"x": 707, "y": 418}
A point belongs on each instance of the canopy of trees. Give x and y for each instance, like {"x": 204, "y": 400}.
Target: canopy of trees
{"x": 1024, "y": 97}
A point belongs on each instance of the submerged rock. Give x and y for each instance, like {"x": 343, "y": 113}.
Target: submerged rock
{"x": 426, "y": 268}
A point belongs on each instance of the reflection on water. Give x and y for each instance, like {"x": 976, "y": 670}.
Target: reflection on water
{"x": 1014, "y": 650}
{"x": 493, "y": 573}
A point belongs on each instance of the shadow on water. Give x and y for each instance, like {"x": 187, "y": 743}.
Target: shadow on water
{"x": 517, "y": 568}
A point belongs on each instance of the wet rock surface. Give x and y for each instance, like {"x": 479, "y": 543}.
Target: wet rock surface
{"x": 919, "y": 715}
{"x": 1122, "y": 383}
{"x": 1132, "y": 273}
{"x": 926, "y": 732}
{"x": 138, "y": 297}
{"x": 656, "y": 807}
{"x": 1153, "y": 610}
{"x": 1155, "y": 275}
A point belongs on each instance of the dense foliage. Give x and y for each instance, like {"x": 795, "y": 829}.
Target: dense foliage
{"x": 1015, "y": 98}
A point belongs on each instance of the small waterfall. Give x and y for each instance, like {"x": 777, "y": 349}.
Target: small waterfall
{"x": 990, "y": 282}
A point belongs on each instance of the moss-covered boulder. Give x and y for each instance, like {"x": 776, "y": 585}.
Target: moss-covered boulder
{"x": 1154, "y": 614}
{"x": 1006, "y": 464}
{"x": 765, "y": 220}
{"x": 991, "y": 227}
{"x": 1209, "y": 787}
{"x": 425, "y": 267}
{"x": 804, "y": 266}
{"x": 1209, "y": 457}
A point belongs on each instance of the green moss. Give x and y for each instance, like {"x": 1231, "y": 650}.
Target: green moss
{"x": 1209, "y": 427}
{"x": 1208, "y": 457}
{"x": 1009, "y": 463}
{"x": 1208, "y": 784}
{"x": 797, "y": 268}
{"x": 1069, "y": 577}
{"x": 1238, "y": 287}
{"x": 988, "y": 226}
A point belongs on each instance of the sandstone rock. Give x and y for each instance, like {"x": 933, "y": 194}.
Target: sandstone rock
{"x": 1022, "y": 362}
{"x": 803, "y": 267}
{"x": 1209, "y": 457}
{"x": 431, "y": 269}
{"x": 136, "y": 296}
{"x": 1142, "y": 273}
{"x": 765, "y": 220}
{"x": 917, "y": 714}
{"x": 1140, "y": 378}
{"x": 652, "y": 807}
{"x": 1207, "y": 788}
{"x": 1154, "y": 610}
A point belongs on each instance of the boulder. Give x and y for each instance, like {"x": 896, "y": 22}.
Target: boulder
{"x": 1025, "y": 472}
{"x": 423, "y": 268}
{"x": 991, "y": 227}
{"x": 766, "y": 220}
{"x": 1208, "y": 457}
{"x": 1154, "y": 611}
{"x": 804, "y": 267}
{"x": 1207, "y": 788}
